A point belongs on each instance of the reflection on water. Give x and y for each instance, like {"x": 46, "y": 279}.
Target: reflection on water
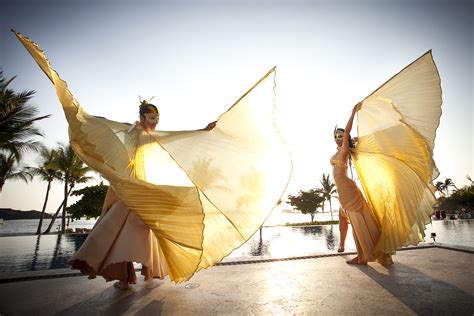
{"x": 326, "y": 231}
{"x": 259, "y": 248}
{"x": 457, "y": 232}
{"x": 309, "y": 230}
{"x": 281, "y": 242}
{"x": 30, "y": 253}
{"x": 35, "y": 255}
{"x": 331, "y": 239}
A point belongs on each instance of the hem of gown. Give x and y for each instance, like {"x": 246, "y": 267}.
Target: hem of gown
{"x": 384, "y": 259}
{"x": 130, "y": 276}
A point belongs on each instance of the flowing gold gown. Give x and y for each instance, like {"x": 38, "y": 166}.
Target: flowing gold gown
{"x": 365, "y": 228}
{"x": 201, "y": 193}
{"x": 118, "y": 239}
{"x": 396, "y": 129}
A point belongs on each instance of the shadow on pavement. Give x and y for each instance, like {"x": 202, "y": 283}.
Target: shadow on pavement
{"x": 421, "y": 293}
{"x": 113, "y": 301}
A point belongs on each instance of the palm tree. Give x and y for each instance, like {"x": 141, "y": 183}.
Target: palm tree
{"x": 47, "y": 173}
{"x": 17, "y": 119}
{"x": 73, "y": 171}
{"x": 8, "y": 170}
{"x": 16, "y": 130}
{"x": 53, "y": 219}
{"x": 439, "y": 187}
{"x": 328, "y": 191}
{"x": 447, "y": 184}
{"x": 470, "y": 179}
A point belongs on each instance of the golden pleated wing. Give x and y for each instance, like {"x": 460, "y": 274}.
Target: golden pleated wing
{"x": 203, "y": 193}
{"x": 394, "y": 155}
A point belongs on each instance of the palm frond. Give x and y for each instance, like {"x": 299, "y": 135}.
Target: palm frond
{"x": 3, "y": 84}
{"x": 70, "y": 165}
{"x": 21, "y": 175}
{"x": 17, "y": 119}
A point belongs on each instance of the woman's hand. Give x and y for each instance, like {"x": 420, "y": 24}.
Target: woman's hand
{"x": 357, "y": 107}
{"x": 210, "y": 126}
{"x": 347, "y": 131}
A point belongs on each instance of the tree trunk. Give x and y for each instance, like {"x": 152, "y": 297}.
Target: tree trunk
{"x": 63, "y": 220}
{"x": 55, "y": 216}
{"x": 38, "y": 231}
{"x": 312, "y": 217}
{"x": 53, "y": 219}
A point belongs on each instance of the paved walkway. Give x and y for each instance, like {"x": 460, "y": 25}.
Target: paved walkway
{"x": 423, "y": 281}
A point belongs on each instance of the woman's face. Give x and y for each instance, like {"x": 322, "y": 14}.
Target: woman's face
{"x": 149, "y": 120}
{"x": 338, "y": 137}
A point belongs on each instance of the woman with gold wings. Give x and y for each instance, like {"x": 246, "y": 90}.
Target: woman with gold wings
{"x": 119, "y": 237}
{"x": 394, "y": 160}
{"x": 202, "y": 193}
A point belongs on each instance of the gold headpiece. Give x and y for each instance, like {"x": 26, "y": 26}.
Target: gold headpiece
{"x": 145, "y": 105}
{"x": 144, "y": 102}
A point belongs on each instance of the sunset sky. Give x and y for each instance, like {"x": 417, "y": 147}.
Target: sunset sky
{"x": 198, "y": 57}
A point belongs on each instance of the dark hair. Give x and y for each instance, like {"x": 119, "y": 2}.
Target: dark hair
{"x": 351, "y": 140}
{"x": 145, "y": 108}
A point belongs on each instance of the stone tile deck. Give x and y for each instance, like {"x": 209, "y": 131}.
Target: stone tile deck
{"x": 423, "y": 281}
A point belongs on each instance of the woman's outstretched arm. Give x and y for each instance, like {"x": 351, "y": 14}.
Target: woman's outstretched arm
{"x": 347, "y": 131}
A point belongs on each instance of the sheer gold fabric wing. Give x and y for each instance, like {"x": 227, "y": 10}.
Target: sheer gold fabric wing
{"x": 203, "y": 193}
{"x": 394, "y": 156}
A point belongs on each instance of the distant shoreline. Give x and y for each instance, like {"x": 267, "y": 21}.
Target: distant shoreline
{"x": 8, "y": 214}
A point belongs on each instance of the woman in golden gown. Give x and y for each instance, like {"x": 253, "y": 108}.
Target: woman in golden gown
{"x": 119, "y": 237}
{"x": 203, "y": 193}
{"x": 396, "y": 129}
{"x": 365, "y": 228}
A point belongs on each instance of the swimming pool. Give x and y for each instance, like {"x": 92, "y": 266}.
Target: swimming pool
{"x": 31, "y": 253}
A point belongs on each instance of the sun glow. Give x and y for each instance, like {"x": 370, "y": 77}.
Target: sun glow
{"x": 159, "y": 168}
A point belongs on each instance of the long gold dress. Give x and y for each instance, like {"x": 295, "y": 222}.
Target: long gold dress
{"x": 202, "y": 193}
{"x": 365, "y": 228}
{"x": 118, "y": 239}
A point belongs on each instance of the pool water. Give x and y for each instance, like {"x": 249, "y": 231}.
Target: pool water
{"x": 31, "y": 253}
{"x": 282, "y": 242}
